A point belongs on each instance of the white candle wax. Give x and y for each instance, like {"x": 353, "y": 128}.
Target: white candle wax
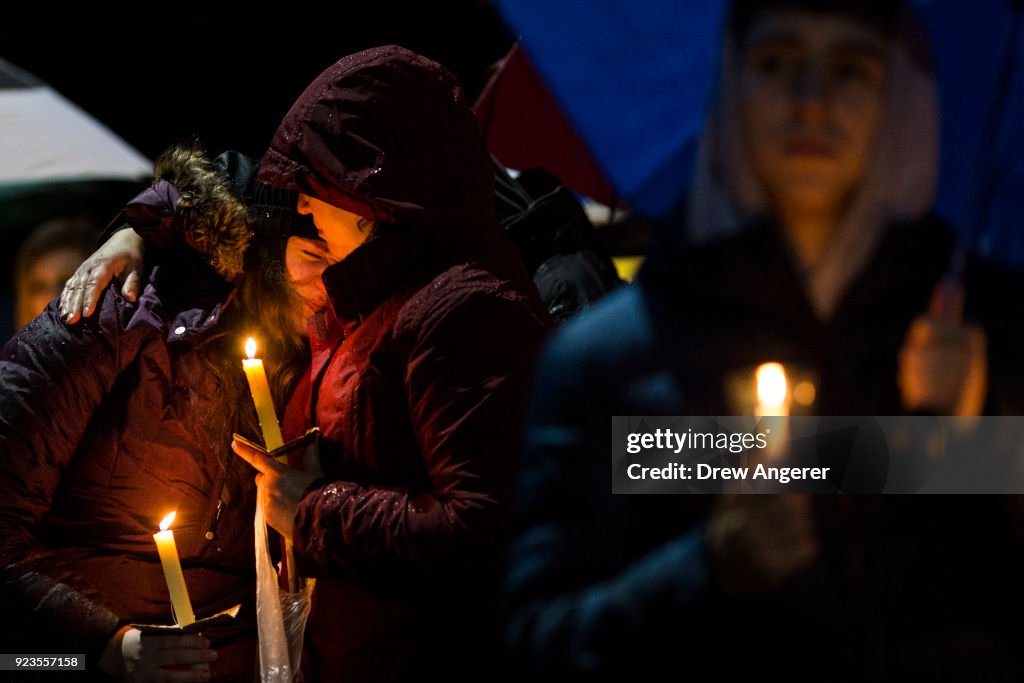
{"x": 165, "y": 545}
{"x": 260, "y": 390}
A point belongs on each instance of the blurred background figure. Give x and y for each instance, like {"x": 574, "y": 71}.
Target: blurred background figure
{"x": 561, "y": 248}
{"x": 46, "y": 259}
{"x": 807, "y": 237}
{"x": 557, "y": 204}
{"x": 810, "y": 232}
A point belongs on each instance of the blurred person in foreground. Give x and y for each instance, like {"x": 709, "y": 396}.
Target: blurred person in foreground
{"x": 807, "y": 239}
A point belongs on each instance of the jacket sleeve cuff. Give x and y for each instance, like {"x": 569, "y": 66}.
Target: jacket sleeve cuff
{"x": 153, "y": 213}
{"x": 307, "y": 546}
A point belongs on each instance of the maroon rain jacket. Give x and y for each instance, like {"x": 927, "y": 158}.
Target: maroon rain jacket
{"x": 419, "y": 373}
{"x": 98, "y": 442}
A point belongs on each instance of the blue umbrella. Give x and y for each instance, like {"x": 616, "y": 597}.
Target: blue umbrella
{"x": 979, "y": 55}
{"x": 636, "y": 79}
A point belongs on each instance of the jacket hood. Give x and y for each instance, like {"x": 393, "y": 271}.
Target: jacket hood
{"x": 193, "y": 195}
{"x": 386, "y": 134}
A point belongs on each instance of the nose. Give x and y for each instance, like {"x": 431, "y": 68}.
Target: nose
{"x": 302, "y": 206}
{"x": 810, "y": 93}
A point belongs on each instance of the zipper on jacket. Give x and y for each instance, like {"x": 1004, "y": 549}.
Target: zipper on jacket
{"x": 211, "y": 532}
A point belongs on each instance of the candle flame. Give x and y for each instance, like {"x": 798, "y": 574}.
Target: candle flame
{"x": 250, "y": 348}
{"x": 771, "y": 384}
{"x": 167, "y": 521}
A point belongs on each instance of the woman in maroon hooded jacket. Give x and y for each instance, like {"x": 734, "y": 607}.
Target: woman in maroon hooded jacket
{"x": 420, "y": 369}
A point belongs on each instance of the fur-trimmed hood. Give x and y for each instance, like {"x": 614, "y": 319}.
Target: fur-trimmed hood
{"x": 216, "y": 222}
{"x": 191, "y": 195}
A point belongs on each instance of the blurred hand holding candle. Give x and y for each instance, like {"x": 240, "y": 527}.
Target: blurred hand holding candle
{"x": 168, "y": 551}
{"x": 772, "y": 392}
{"x": 771, "y": 389}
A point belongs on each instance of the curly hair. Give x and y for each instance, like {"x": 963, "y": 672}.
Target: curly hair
{"x": 263, "y": 307}
{"x": 217, "y": 221}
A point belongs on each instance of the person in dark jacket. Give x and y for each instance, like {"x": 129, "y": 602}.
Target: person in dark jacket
{"x": 812, "y": 175}
{"x": 559, "y": 244}
{"x": 109, "y": 425}
{"x": 420, "y": 371}
{"x": 807, "y": 239}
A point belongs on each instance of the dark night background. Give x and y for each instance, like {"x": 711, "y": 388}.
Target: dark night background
{"x": 222, "y": 74}
{"x": 227, "y": 73}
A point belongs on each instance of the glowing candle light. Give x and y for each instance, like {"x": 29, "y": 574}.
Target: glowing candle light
{"x": 260, "y": 390}
{"x": 180, "y": 603}
{"x": 772, "y": 393}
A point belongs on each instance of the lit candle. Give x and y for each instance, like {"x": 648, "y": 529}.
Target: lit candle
{"x": 180, "y": 603}
{"x": 772, "y": 393}
{"x": 260, "y": 390}
{"x": 773, "y": 403}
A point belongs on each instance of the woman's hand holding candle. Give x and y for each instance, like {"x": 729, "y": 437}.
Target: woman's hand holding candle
{"x": 262, "y": 399}
{"x": 280, "y": 486}
{"x": 171, "y": 657}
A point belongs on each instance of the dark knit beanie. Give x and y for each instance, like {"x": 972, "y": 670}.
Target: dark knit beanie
{"x": 273, "y": 211}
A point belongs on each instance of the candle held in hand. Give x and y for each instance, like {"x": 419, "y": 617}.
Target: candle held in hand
{"x": 260, "y": 390}
{"x": 180, "y": 603}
